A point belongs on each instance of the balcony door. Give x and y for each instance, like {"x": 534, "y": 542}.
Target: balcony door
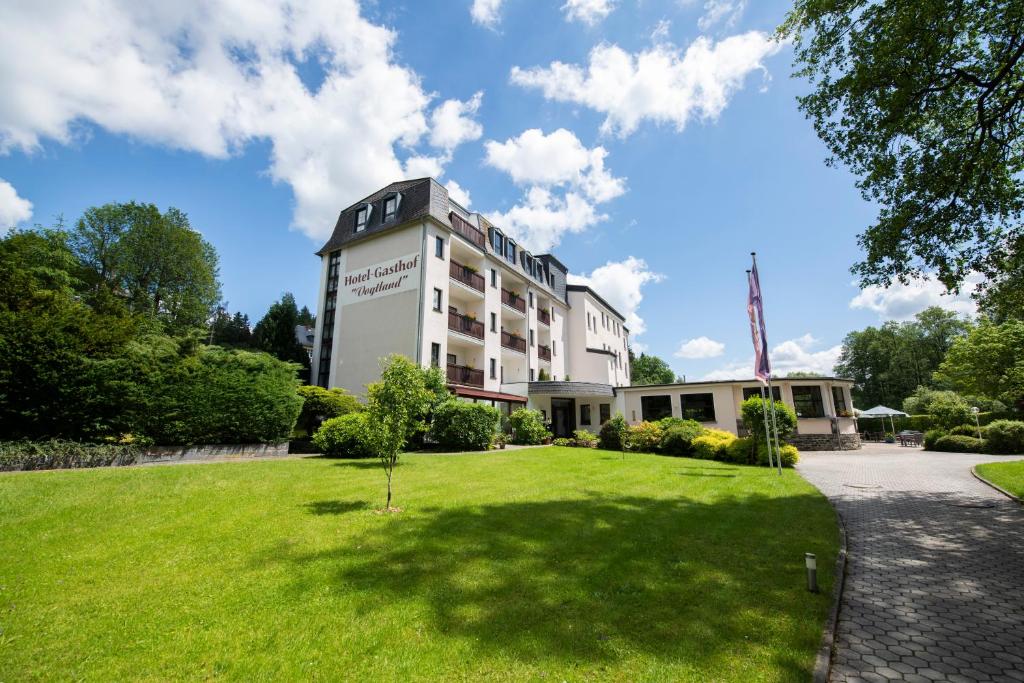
{"x": 563, "y": 417}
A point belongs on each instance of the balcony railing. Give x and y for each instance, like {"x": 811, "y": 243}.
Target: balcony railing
{"x": 466, "y": 229}
{"x": 544, "y": 352}
{"x": 512, "y": 300}
{"x": 543, "y": 317}
{"x": 466, "y": 276}
{"x": 513, "y": 341}
{"x": 460, "y": 374}
{"x": 466, "y": 325}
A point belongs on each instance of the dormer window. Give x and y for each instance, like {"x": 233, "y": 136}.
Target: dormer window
{"x": 391, "y": 203}
{"x": 362, "y": 218}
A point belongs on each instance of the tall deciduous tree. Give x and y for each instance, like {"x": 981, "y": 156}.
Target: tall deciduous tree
{"x": 990, "y": 362}
{"x": 888, "y": 363}
{"x": 648, "y": 369}
{"x": 924, "y": 102}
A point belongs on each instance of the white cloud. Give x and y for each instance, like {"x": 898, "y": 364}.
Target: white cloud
{"x": 903, "y": 302}
{"x": 486, "y": 12}
{"x": 726, "y": 12}
{"x": 662, "y": 84}
{"x": 565, "y": 180}
{"x": 452, "y": 123}
{"x": 700, "y": 347}
{"x": 621, "y": 284}
{"x": 458, "y": 193}
{"x": 13, "y": 209}
{"x": 588, "y": 12}
{"x": 791, "y": 355}
{"x": 660, "y": 34}
{"x": 212, "y": 77}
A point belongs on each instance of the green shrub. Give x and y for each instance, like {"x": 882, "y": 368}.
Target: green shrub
{"x": 1005, "y": 436}
{"x": 713, "y": 444}
{"x": 678, "y": 438}
{"x": 741, "y": 451}
{"x": 667, "y": 423}
{"x": 790, "y": 455}
{"x": 527, "y": 426}
{"x": 949, "y": 409}
{"x": 968, "y": 430}
{"x": 930, "y": 437}
{"x": 584, "y": 439}
{"x": 344, "y": 437}
{"x": 463, "y": 426}
{"x": 59, "y": 454}
{"x": 612, "y": 432}
{"x": 562, "y": 441}
{"x": 644, "y": 437}
{"x": 959, "y": 444}
{"x": 753, "y": 412}
{"x": 321, "y": 404}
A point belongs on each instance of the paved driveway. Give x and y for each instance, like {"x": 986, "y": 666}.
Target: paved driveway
{"x": 935, "y": 574}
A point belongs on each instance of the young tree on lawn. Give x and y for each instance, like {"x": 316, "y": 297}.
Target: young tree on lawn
{"x": 923, "y": 101}
{"x": 396, "y": 404}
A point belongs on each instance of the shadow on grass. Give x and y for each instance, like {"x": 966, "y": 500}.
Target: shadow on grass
{"x": 706, "y": 473}
{"x": 367, "y": 464}
{"x": 335, "y": 507}
{"x": 715, "y": 586}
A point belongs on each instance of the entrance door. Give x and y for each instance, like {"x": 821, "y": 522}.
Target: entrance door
{"x": 563, "y": 417}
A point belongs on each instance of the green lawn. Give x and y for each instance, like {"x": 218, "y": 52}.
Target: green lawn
{"x": 1006, "y": 475}
{"x": 553, "y": 563}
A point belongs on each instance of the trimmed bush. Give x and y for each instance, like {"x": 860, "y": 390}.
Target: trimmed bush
{"x": 565, "y": 443}
{"x": 463, "y": 426}
{"x": 753, "y": 412}
{"x": 527, "y": 427}
{"x": 677, "y": 439}
{"x": 612, "y": 432}
{"x": 321, "y": 404}
{"x": 644, "y": 437}
{"x": 931, "y": 436}
{"x": 60, "y": 454}
{"x": 959, "y": 444}
{"x": 584, "y": 439}
{"x": 344, "y": 437}
{"x": 741, "y": 451}
{"x": 789, "y": 454}
{"x": 1005, "y": 436}
{"x": 713, "y": 444}
{"x": 968, "y": 430}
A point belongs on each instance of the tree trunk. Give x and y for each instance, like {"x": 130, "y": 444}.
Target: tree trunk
{"x": 388, "y": 506}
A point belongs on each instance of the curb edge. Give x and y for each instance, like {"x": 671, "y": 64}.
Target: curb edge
{"x": 983, "y": 480}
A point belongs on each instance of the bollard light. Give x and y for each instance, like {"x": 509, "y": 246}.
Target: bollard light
{"x": 811, "y": 561}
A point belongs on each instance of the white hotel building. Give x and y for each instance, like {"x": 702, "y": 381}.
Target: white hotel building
{"x": 409, "y": 271}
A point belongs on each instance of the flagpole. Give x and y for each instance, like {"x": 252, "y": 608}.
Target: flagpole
{"x": 757, "y": 350}
{"x": 771, "y": 394}
{"x": 767, "y": 438}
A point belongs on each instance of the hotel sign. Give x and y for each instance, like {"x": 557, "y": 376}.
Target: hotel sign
{"x": 381, "y": 279}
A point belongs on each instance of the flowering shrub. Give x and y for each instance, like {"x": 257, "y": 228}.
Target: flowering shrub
{"x": 644, "y": 437}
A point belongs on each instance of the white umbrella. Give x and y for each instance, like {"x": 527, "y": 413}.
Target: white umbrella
{"x": 884, "y": 412}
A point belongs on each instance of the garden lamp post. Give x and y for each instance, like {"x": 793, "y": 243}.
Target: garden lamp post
{"x": 977, "y": 424}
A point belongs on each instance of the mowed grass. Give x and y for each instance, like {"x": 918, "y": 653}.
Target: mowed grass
{"x": 1006, "y": 475}
{"x": 550, "y": 563}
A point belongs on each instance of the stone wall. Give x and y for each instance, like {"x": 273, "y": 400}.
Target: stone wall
{"x": 199, "y": 453}
{"x": 825, "y": 442}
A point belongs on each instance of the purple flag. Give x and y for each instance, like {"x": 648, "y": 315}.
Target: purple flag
{"x": 762, "y": 367}
{"x": 751, "y": 312}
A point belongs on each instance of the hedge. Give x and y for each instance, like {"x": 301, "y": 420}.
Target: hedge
{"x": 1005, "y": 437}
{"x": 952, "y": 443}
{"x": 463, "y": 426}
{"x": 344, "y": 437}
{"x": 61, "y": 454}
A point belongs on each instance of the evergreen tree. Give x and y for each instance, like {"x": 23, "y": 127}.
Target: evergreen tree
{"x": 275, "y": 333}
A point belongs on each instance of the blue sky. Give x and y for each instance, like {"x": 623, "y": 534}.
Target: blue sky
{"x": 651, "y": 144}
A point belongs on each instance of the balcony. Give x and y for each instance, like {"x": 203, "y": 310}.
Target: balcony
{"x": 460, "y": 374}
{"x": 467, "y": 230}
{"x": 543, "y": 317}
{"x": 465, "y": 325}
{"x": 513, "y": 342}
{"x": 512, "y": 300}
{"x": 466, "y": 276}
{"x": 544, "y": 352}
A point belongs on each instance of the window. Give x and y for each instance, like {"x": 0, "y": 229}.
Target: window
{"x": 699, "y": 407}
{"x": 362, "y": 216}
{"x": 439, "y": 247}
{"x": 494, "y": 322}
{"x": 530, "y": 297}
{"x": 437, "y": 299}
{"x": 435, "y": 354}
{"x": 494, "y": 277}
{"x": 497, "y": 241}
{"x": 754, "y": 391}
{"x": 390, "y": 207}
{"x": 654, "y": 408}
{"x": 807, "y": 402}
{"x": 839, "y": 399}
{"x": 585, "y": 414}
{"x": 452, "y": 360}
{"x": 531, "y": 374}
{"x": 510, "y": 251}
{"x": 554, "y": 347}
{"x": 606, "y": 412}
{"x": 531, "y": 337}
{"x": 494, "y": 368}
{"x": 588, "y": 320}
